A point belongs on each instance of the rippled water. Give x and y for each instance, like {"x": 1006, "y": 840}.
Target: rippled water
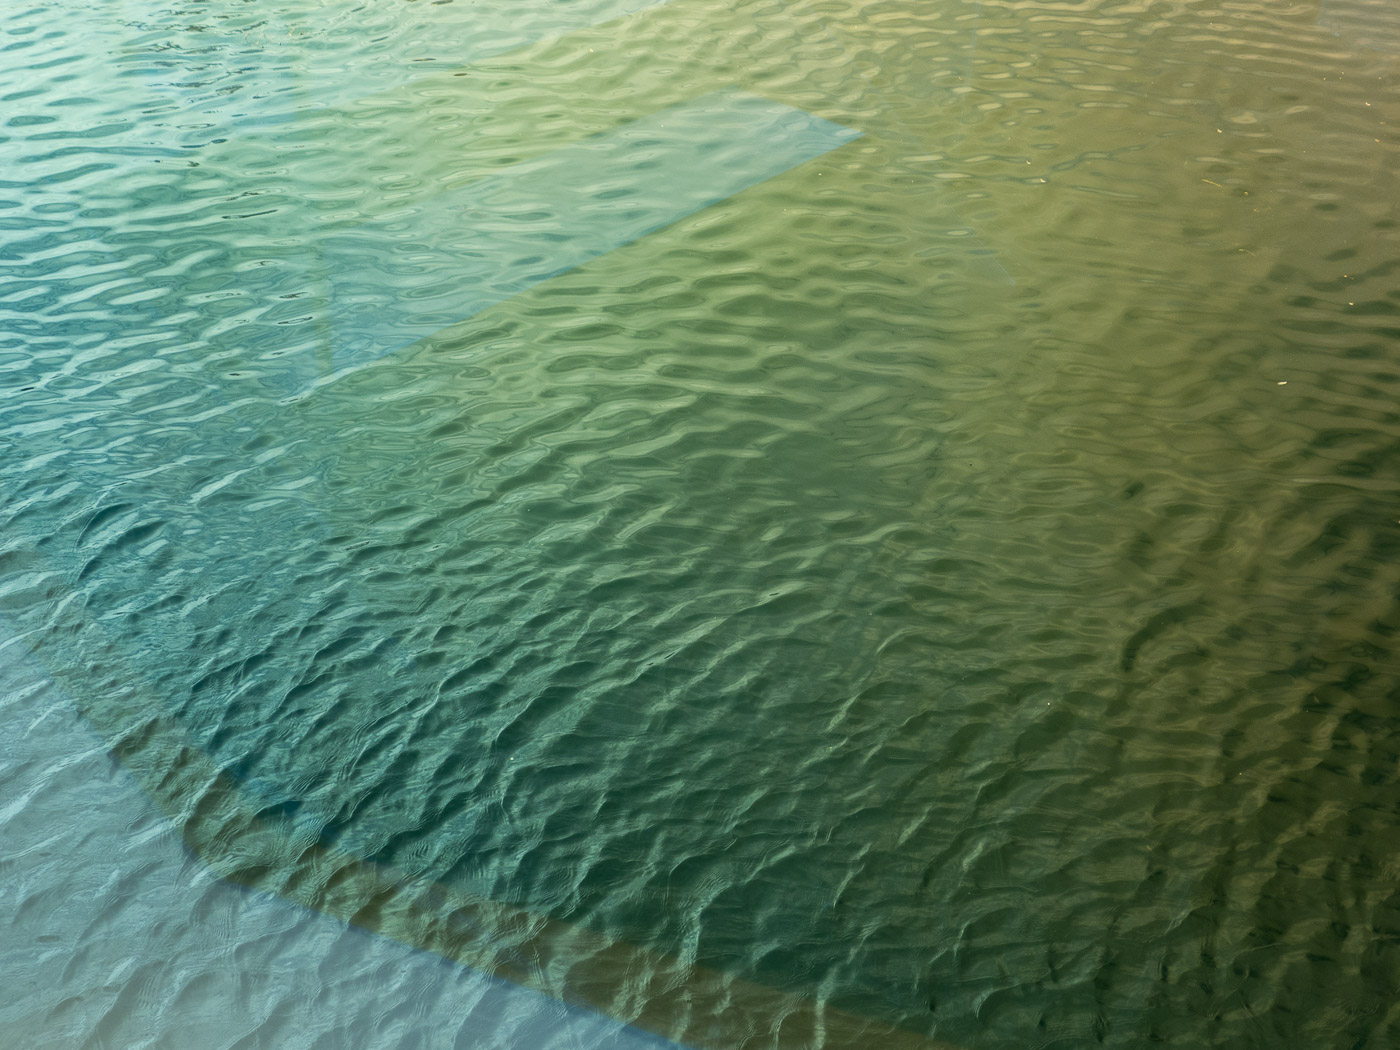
{"x": 950, "y": 581}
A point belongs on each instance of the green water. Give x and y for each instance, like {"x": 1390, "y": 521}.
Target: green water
{"x": 953, "y": 580}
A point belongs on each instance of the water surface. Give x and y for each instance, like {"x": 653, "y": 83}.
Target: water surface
{"x": 950, "y": 579}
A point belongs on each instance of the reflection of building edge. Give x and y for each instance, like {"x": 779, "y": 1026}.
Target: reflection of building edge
{"x": 225, "y": 828}
{"x": 255, "y": 843}
{"x": 699, "y": 1007}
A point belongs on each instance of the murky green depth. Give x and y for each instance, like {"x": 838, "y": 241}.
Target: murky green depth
{"x": 955, "y": 580}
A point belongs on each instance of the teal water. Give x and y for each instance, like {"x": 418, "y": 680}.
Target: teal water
{"x": 951, "y": 577}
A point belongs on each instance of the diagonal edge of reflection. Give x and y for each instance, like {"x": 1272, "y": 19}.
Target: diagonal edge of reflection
{"x": 465, "y": 251}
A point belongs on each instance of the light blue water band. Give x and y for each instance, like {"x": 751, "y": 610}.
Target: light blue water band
{"x": 407, "y": 275}
{"x": 244, "y": 956}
